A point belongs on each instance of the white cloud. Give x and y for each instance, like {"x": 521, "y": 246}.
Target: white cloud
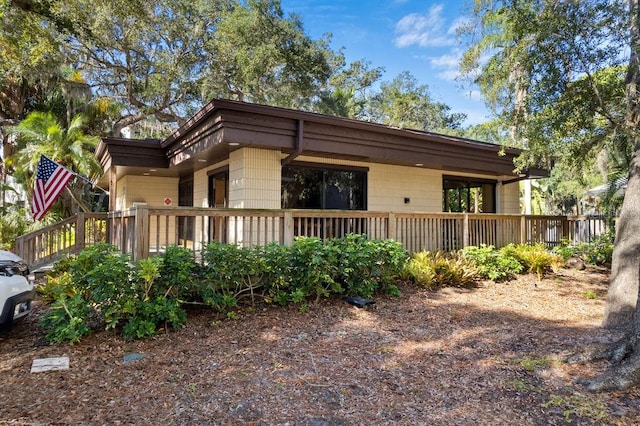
{"x": 424, "y": 30}
{"x": 447, "y": 64}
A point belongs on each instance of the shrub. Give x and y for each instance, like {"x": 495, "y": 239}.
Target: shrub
{"x": 277, "y": 272}
{"x": 178, "y": 273}
{"x": 437, "y": 269}
{"x": 597, "y": 252}
{"x": 491, "y": 263}
{"x": 108, "y": 291}
{"x": 229, "y": 272}
{"x": 534, "y": 258}
{"x": 314, "y": 268}
{"x": 367, "y": 266}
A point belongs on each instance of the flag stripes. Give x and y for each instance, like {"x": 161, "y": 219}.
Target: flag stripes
{"x": 51, "y": 179}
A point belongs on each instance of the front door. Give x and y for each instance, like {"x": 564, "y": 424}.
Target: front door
{"x": 219, "y": 199}
{"x": 185, "y": 223}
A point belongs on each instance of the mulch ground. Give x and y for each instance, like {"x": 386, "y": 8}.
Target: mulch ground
{"x": 486, "y": 356}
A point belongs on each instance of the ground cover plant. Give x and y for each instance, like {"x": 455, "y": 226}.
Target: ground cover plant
{"x": 101, "y": 289}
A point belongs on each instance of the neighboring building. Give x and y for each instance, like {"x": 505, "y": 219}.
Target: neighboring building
{"x": 239, "y": 155}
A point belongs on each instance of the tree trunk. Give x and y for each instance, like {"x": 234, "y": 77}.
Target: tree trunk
{"x": 623, "y": 309}
{"x": 622, "y": 296}
{"x": 623, "y": 292}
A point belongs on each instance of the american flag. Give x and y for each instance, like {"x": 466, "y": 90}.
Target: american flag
{"x": 51, "y": 180}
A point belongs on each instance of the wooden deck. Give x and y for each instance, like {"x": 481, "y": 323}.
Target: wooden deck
{"x": 147, "y": 230}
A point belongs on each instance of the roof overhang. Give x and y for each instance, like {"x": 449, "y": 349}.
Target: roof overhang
{"x": 222, "y": 126}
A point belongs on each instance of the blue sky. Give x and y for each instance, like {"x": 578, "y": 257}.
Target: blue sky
{"x": 399, "y": 35}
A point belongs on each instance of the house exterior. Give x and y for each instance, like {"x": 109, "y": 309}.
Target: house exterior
{"x": 245, "y": 156}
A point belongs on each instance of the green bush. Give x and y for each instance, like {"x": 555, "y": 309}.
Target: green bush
{"x": 178, "y": 273}
{"x": 103, "y": 289}
{"x": 535, "y": 258}
{"x": 597, "y": 252}
{"x": 491, "y": 263}
{"x": 66, "y": 319}
{"x": 314, "y": 268}
{"x": 229, "y": 272}
{"x": 437, "y": 269}
{"x": 277, "y": 273}
{"x": 367, "y": 266}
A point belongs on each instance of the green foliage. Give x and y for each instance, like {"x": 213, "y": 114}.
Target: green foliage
{"x": 102, "y": 285}
{"x": 406, "y": 104}
{"x": 14, "y": 222}
{"x": 491, "y": 263}
{"x": 314, "y": 269}
{"x": 66, "y": 319}
{"x": 147, "y": 314}
{"x": 101, "y": 288}
{"x": 277, "y": 272}
{"x": 229, "y": 272}
{"x": 597, "y": 252}
{"x": 178, "y": 273}
{"x": 534, "y": 258}
{"x": 367, "y": 266}
{"x": 434, "y": 270}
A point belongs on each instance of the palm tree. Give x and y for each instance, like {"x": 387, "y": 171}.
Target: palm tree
{"x": 40, "y": 133}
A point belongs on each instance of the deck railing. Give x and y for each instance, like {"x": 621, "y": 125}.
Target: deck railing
{"x": 68, "y": 236}
{"x": 144, "y": 230}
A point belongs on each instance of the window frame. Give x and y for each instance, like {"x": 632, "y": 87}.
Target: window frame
{"x": 325, "y": 169}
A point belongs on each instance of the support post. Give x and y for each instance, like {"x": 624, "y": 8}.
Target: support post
{"x": 391, "y": 227}
{"x": 141, "y": 249}
{"x": 465, "y": 230}
{"x": 288, "y": 228}
{"x": 80, "y": 231}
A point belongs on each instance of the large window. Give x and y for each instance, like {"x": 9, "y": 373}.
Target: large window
{"x": 462, "y": 194}
{"x": 314, "y": 187}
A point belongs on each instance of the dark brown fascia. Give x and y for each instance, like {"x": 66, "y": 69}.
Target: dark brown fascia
{"x": 222, "y": 121}
{"x": 146, "y": 153}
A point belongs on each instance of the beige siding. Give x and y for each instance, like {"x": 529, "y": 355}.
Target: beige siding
{"x": 509, "y": 198}
{"x": 254, "y": 179}
{"x": 146, "y": 189}
{"x": 255, "y": 182}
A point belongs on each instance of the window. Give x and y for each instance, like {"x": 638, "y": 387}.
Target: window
{"x": 461, "y": 194}
{"x": 314, "y": 187}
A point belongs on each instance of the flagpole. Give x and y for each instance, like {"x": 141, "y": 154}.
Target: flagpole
{"x": 86, "y": 179}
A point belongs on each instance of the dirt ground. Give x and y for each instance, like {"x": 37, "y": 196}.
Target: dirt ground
{"x": 487, "y": 356}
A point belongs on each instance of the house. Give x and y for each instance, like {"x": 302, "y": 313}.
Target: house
{"x": 239, "y": 155}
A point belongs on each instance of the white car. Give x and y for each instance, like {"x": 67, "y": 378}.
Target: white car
{"x": 16, "y": 288}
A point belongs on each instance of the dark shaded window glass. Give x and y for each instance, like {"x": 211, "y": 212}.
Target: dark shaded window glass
{"x": 305, "y": 187}
{"x": 460, "y": 194}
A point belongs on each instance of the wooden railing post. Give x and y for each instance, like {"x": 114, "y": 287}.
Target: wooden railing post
{"x": 523, "y": 229}
{"x": 80, "y": 231}
{"x": 465, "y": 230}
{"x": 141, "y": 250}
{"x": 288, "y": 228}
{"x": 391, "y": 227}
{"x": 20, "y": 248}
